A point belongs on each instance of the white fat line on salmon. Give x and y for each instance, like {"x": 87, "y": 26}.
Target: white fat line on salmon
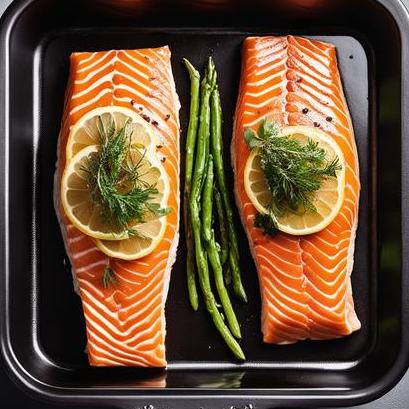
{"x": 107, "y": 57}
{"x": 127, "y": 279}
{"x": 352, "y": 208}
{"x": 261, "y": 104}
{"x": 263, "y": 92}
{"x": 139, "y": 273}
{"x": 141, "y": 337}
{"x": 274, "y": 282}
{"x": 118, "y": 344}
{"x": 151, "y": 306}
{"x": 157, "y": 105}
{"x": 92, "y": 308}
{"x": 258, "y": 118}
{"x": 313, "y": 85}
{"x": 92, "y": 86}
{"x": 268, "y": 79}
{"x": 148, "y": 104}
{"x": 329, "y": 310}
{"x": 92, "y": 74}
{"x": 72, "y": 227}
{"x": 91, "y": 101}
{"x": 122, "y": 340}
{"x": 266, "y": 57}
{"x": 312, "y": 99}
{"x": 322, "y": 241}
{"x": 329, "y": 318}
{"x": 325, "y": 333}
{"x": 148, "y": 343}
{"x": 287, "y": 250}
{"x": 134, "y": 69}
{"x": 83, "y": 253}
{"x": 273, "y": 274}
{"x": 299, "y": 326}
{"x": 76, "y": 239}
{"x": 133, "y": 80}
{"x": 274, "y": 256}
{"x": 323, "y": 77}
{"x": 276, "y": 294}
{"x": 128, "y": 360}
{"x": 351, "y": 190}
{"x": 85, "y": 60}
{"x": 92, "y": 265}
{"x": 140, "y": 62}
{"x": 336, "y": 281}
{"x": 319, "y": 110}
{"x": 314, "y": 45}
{"x": 147, "y": 333}
{"x": 342, "y": 215}
{"x": 321, "y": 58}
{"x": 330, "y": 270}
{"x": 262, "y": 71}
{"x": 134, "y": 301}
{"x": 261, "y": 68}
{"x": 286, "y": 328}
{"x": 296, "y": 60}
{"x": 276, "y": 246}
{"x": 161, "y": 84}
{"x": 341, "y": 249}
{"x": 161, "y": 64}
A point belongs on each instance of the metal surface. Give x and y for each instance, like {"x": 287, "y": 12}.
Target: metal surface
{"x": 56, "y": 333}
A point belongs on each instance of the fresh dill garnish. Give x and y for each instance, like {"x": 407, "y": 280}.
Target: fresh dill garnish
{"x": 266, "y": 222}
{"x": 294, "y": 171}
{"x": 109, "y": 277}
{"x": 115, "y": 180}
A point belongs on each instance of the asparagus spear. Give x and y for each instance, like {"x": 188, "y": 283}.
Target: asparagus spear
{"x": 207, "y": 210}
{"x": 194, "y": 205}
{"x": 190, "y": 148}
{"x": 217, "y": 152}
{"x": 224, "y": 240}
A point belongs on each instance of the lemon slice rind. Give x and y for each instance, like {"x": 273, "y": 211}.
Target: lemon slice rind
{"x": 85, "y": 132}
{"x": 85, "y": 215}
{"x": 328, "y": 200}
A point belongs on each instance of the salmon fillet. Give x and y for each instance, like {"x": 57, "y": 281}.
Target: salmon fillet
{"x": 304, "y": 281}
{"x": 125, "y": 323}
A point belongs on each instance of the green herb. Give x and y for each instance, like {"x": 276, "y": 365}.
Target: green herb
{"x": 294, "y": 171}
{"x": 115, "y": 183}
{"x": 109, "y": 277}
{"x": 266, "y": 222}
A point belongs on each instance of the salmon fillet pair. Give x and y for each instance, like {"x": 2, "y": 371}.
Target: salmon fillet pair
{"x": 305, "y": 282}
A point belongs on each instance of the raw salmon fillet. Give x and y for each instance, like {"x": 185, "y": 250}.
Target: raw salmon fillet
{"x": 304, "y": 281}
{"x": 125, "y": 322}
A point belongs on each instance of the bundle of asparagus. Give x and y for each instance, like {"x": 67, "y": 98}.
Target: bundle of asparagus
{"x": 205, "y": 184}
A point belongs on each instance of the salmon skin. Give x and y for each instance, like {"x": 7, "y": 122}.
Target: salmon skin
{"x": 125, "y": 323}
{"x": 304, "y": 281}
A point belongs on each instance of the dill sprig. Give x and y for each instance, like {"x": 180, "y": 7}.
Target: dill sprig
{"x": 294, "y": 171}
{"x": 115, "y": 181}
{"x": 109, "y": 277}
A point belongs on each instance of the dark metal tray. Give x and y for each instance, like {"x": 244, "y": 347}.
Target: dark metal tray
{"x": 42, "y": 329}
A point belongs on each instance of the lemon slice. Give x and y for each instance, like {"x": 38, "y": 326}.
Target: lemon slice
{"x": 87, "y": 215}
{"x": 149, "y": 233}
{"x": 327, "y": 200}
{"x": 86, "y": 131}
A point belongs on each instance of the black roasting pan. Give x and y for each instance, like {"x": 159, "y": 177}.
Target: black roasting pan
{"x": 41, "y": 325}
